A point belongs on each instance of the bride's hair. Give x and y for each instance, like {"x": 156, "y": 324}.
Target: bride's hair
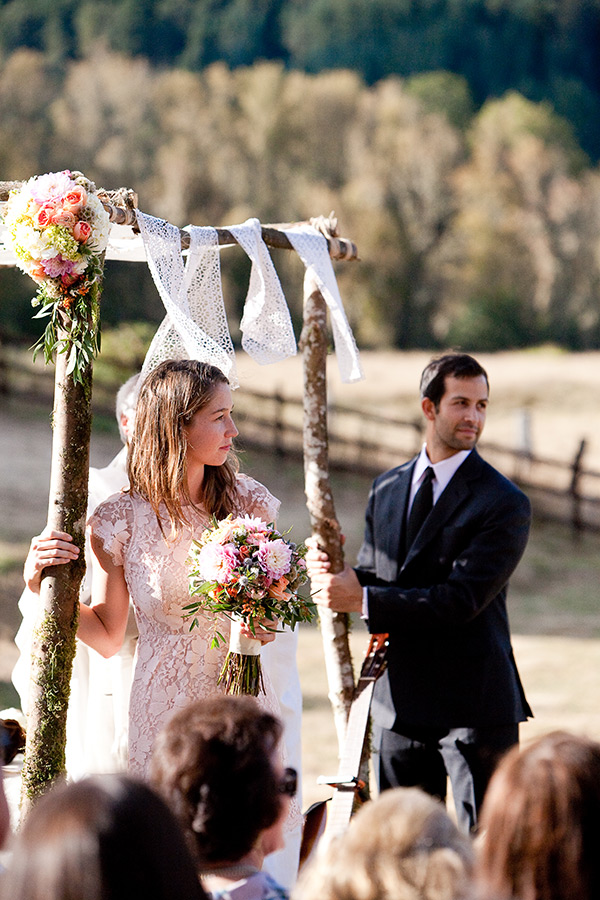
{"x": 157, "y": 463}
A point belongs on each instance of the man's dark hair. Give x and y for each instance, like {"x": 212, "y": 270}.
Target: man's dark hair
{"x": 458, "y": 365}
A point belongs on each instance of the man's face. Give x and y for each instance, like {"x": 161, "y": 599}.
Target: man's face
{"x": 459, "y": 420}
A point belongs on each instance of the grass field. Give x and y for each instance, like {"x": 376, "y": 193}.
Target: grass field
{"x": 553, "y": 603}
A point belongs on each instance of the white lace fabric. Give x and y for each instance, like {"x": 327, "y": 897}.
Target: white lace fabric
{"x": 174, "y": 666}
{"x": 195, "y": 326}
{"x": 267, "y": 331}
{"x": 311, "y": 247}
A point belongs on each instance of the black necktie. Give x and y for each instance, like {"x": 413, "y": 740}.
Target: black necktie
{"x": 421, "y": 507}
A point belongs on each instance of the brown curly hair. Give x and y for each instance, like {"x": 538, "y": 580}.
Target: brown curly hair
{"x": 213, "y": 764}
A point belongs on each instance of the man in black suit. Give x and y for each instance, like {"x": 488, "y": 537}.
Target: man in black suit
{"x": 432, "y": 572}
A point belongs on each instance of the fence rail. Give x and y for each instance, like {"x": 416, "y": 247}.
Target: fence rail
{"x": 563, "y": 491}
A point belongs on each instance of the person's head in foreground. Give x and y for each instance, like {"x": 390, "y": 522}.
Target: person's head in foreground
{"x": 217, "y": 764}
{"x": 541, "y": 822}
{"x": 401, "y": 846}
{"x": 106, "y": 837}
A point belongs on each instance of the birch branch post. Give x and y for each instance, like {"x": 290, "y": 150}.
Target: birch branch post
{"x": 319, "y": 499}
{"x": 54, "y": 636}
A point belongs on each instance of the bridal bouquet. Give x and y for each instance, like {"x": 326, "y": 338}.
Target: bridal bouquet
{"x": 247, "y": 571}
{"x": 59, "y": 230}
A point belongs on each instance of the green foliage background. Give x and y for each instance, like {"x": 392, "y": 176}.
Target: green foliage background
{"x": 456, "y": 140}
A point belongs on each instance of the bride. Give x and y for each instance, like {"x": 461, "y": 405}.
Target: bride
{"x": 182, "y": 471}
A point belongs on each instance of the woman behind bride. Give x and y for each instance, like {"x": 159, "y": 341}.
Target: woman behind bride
{"x": 182, "y": 471}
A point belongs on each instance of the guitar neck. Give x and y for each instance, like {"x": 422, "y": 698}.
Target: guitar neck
{"x": 343, "y": 799}
{"x": 346, "y": 783}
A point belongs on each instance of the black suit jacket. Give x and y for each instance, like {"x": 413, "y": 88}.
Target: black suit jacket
{"x": 450, "y": 660}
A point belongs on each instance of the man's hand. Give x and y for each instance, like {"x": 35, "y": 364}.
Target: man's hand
{"x": 341, "y": 592}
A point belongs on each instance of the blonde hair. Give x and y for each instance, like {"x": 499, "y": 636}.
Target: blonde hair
{"x": 401, "y": 846}
{"x": 157, "y": 465}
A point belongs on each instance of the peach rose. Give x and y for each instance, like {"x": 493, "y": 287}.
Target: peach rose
{"x": 75, "y": 199}
{"x": 43, "y": 215}
{"x": 82, "y": 231}
{"x": 37, "y": 271}
{"x": 63, "y": 217}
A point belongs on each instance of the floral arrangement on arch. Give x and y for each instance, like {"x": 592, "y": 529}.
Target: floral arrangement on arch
{"x": 59, "y": 231}
{"x": 246, "y": 570}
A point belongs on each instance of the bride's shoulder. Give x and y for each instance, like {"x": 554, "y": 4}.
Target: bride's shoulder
{"x": 115, "y": 503}
{"x": 255, "y": 498}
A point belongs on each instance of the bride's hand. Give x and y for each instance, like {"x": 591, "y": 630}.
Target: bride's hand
{"x": 264, "y": 631}
{"x": 50, "y": 548}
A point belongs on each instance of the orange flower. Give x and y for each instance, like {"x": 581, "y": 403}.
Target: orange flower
{"x": 277, "y": 589}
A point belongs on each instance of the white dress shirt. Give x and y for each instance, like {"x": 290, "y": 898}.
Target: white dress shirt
{"x": 443, "y": 472}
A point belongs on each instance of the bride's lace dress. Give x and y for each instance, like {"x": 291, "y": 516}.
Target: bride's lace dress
{"x": 174, "y": 665}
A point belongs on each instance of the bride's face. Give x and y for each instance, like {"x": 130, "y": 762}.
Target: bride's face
{"x": 211, "y": 431}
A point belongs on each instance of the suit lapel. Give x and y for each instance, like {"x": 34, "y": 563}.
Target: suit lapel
{"x": 456, "y": 492}
{"x": 397, "y": 496}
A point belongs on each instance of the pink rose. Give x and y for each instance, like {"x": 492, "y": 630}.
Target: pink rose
{"x": 63, "y": 217}
{"x": 68, "y": 280}
{"x": 82, "y": 231}
{"x": 43, "y": 216}
{"x": 75, "y": 199}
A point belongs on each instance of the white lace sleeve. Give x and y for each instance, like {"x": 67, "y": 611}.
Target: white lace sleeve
{"x": 256, "y": 500}
{"x": 112, "y": 522}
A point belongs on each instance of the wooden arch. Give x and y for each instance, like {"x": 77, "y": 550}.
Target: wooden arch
{"x": 54, "y": 639}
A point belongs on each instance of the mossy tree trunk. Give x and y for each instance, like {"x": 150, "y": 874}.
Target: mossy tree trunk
{"x": 334, "y": 626}
{"x": 54, "y": 637}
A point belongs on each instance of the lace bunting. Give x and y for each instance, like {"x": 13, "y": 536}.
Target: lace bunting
{"x": 196, "y": 322}
{"x": 195, "y": 326}
{"x": 312, "y": 249}
{"x": 266, "y": 326}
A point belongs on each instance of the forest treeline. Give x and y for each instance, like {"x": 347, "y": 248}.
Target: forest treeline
{"x": 544, "y": 49}
{"x": 476, "y": 227}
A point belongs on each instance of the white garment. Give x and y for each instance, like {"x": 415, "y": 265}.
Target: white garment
{"x": 279, "y": 660}
{"x": 99, "y": 698}
{"x": 176, "y": 666}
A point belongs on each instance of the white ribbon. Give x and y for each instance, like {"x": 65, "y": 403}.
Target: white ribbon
{"x": 268, "y": 334}
{"x": 195, "y": 326}
{"x": 311, "y": 247}
{"x": 239, "y": 643}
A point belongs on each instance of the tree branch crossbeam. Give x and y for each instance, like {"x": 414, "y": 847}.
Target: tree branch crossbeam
{"x": 121, "y": 206}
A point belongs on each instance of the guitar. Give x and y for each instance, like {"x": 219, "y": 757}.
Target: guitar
{"x": 322, "y": 823}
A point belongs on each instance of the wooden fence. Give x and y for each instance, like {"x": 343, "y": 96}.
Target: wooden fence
{"x": 367, "y": 443}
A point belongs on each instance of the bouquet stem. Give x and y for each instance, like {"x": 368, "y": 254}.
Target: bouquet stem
{"x": 242, "y": 672}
